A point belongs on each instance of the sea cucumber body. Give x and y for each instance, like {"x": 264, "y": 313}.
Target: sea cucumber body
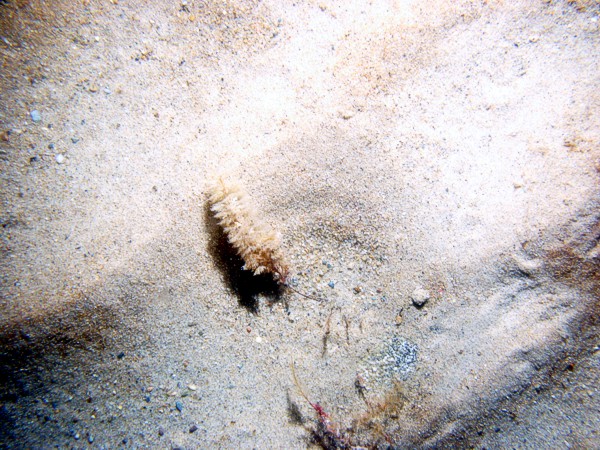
{"x": 253, "y": 239}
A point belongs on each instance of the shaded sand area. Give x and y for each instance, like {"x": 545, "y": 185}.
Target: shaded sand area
{"x": 433, "y": 169}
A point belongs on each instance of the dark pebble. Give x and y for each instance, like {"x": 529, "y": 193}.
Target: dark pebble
{"x": 90, "y": 439}
{"x": 148, "y": 398}
{"x": 193, "y": 428}
{"x": 51, "y": 146}
{"x": 121, "y": 355}
{"x": 161, "y": 431}
{"x": 74, "y": 140}
{"x": 179, "y": 406}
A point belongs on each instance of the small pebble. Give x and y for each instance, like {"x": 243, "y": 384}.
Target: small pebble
{"x": 36, "y": 116}
{"x": 193, "y": 428}
{"x": 347, "y": 114}
{"x": 51, "y": 146}
{"x": 76, "y": 436}
{"x": 331, "y": 284}
{"x": 179, "y": 406}
{"x": 121, "y": 355}
{"x": 60, "y": 158}
{"x": 74, "y": 139}
{"x": 90, "y": 439}
{"x": 420, "y": 296}
{"x": 161, "y": 431}
{"x": 192, "y": 387}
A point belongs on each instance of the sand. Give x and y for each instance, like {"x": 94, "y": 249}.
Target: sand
{"x": 433, "y": 171}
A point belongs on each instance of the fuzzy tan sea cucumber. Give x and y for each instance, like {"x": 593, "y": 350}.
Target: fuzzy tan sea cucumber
{"x": 255, "y": 241}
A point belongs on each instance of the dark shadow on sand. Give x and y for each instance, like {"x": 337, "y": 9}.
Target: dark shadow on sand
{"x": 40, "y": 357}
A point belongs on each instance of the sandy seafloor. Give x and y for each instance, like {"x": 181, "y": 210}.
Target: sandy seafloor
{"x": 405, "y": 150}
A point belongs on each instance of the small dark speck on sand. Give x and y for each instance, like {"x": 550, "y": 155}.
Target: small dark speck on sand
{"x": 179, "y": 406}
{"x": 193, "y": 428}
